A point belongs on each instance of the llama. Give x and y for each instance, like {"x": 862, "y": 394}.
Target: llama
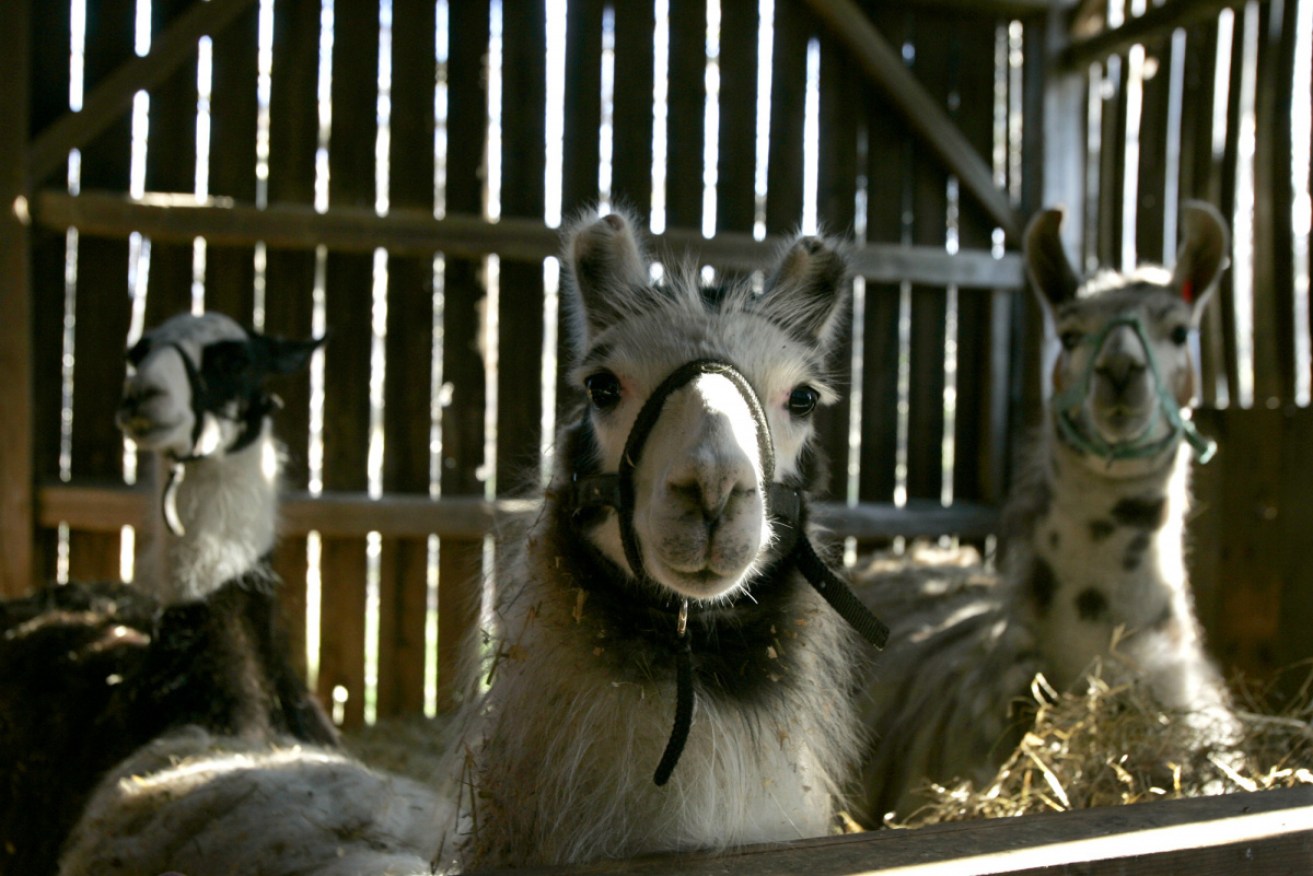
{"x": 1092, "y": 557}
{"x": 201, "y": 645}
{"x": 225, "y": 738}
{"x": 661, "y": 582}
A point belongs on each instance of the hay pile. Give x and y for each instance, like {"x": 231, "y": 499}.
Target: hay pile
{"x": 1113, "y": 746}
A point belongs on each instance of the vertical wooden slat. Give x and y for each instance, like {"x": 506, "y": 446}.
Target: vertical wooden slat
{"x": 230, "y": 270}
{"x": 407, "y": 418}
{"x": 290, "y": 275}
{"x": 836, "y": 205}
{"x": 1198, "y": 181}
{"x": 736, "y": 163}
{"x": 171, "y": 167}
{"x": 1226, "y": 203}
{"x": 1152, "y": 171}
{"x": 519, "y": 351}
{"x": 463, "y": 366}
{"x": 981, "y": 383}
{"x": 784, "y": 198}
{"x": 16, "y": 403}
{"x": 631, "y": 177}
{"x": 102, "y": 276}
{"x": 1274, "y": 196}
{"x": 580, "y": 144}
{"x": 348, "y": 291}
{"x": 1112, "y": 165}
{"x": 685, "y": 125}
{"x": 925, "y": 464}
{"x": 887, "y": 178}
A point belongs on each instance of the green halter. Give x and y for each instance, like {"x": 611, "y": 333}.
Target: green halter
{"x": 1066, "y": 406}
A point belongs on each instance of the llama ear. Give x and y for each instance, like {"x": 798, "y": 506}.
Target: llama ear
{"x": 607, "y": 265}
{"x": 281, "y": 356}
{"x": 1046, "y": 261}
{"x": 1203, "y": 253}
{"x": 807, "y": 289}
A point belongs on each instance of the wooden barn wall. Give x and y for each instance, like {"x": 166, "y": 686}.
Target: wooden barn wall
{"x": 1227, "y": 137}
{"x": 437, "y": 363}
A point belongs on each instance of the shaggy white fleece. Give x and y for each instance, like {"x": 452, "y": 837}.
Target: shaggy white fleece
{"x": 204, "y": 806}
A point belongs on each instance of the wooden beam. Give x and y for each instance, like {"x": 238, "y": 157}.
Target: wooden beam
{"x": 1243, "y": 833}
{"x": 344, "y": 514}
{"x": 113, "y": 96}
{"x": 1156, "y": 23}
{"x": 16, "y": 400}
{"x": 886, "y": 71}
{"x": 222, "y": 222}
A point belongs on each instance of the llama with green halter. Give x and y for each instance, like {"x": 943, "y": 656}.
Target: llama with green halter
{"x": 1092, "y": 556}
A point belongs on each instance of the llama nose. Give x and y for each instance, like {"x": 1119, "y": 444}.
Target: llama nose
{"x": 1120, "y": 370}
{"x": 710, "y": 496}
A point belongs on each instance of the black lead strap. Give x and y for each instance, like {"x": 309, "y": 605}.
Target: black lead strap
{"x": 783, "y": 503}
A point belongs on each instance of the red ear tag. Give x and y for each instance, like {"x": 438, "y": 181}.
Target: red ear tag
{"x": 1187, "y": 291}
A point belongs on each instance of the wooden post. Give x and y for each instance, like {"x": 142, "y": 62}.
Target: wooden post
{"x": 16, "y": 471}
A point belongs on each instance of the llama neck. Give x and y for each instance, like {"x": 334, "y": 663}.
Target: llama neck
{"x": 1095, "y": 551}
{"x": 228, "y": 505}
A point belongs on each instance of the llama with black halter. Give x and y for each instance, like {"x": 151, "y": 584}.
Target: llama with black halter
{"x": 114, "y": 666}
{"x": 237, "y": 769}
{"x": 665, "y": 583}
{"x": 1093, "y": 565}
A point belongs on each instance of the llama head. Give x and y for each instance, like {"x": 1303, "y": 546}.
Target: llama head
{"x": 1124, "y": 371}
{"x": 712, "y": 438}
{"x": 195, "y": 384}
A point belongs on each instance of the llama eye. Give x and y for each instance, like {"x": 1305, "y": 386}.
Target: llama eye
{"x": 1070, "y": 340}
{"x": 1179, "y": 335}
{"x": 802, "y": 401}
{"x": 603, "y": 390}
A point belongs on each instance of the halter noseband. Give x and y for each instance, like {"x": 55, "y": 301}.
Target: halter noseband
{"x": 784, "y": 504}
{"x": 1067, "y": 403}
{"x": 207, "y": 399}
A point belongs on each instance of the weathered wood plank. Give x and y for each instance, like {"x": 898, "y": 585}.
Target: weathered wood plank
{"x": 464, "y": 294}
{"x": 290, "y": 276}
{"x": 230, "y": 271}
{"x": 1251, "y": 834}
{"x": 99, "y": 332}
{"x": 1156, "y": 23}
{"x": 409, "y": 231}
{"x": 349, "y": 286}
{"x": 631, "y": 160}
{"x": 109, "y": 98}
{"x": 836, "y": 207}
{"x": 920, "y": 111}
{"x": 408, "y": 419}
{"x": 788, "y": 103}
{"x": 17, "y": 473}
{"x": 468, "y": 518}
{"x": 686, "y": 113}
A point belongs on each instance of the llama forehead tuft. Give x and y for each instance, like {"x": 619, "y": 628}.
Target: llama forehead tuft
{"x": 200, "y": 330}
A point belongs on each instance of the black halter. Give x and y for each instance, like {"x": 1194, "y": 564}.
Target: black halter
{"x": 210, "y": 391}
{"x": 786, "y": 506}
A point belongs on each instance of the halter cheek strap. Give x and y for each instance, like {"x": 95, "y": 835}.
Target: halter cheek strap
{"x": 1067, "y": 404}
{"x": 204, "y": 400}
{"x": 784, "y": 504}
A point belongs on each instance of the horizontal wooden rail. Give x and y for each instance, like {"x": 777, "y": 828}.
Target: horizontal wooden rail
{"x": 1243, "y": 834}
{"x": 109, "y": 508}
{"x": 1158, "y": 22}
{"x": 174, "y": 218}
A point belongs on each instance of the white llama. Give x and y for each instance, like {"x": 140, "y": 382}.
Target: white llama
{"x": 217, "y": 734}
{"x": 660, "y": 583}
{"x": 1092, "y": 541}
